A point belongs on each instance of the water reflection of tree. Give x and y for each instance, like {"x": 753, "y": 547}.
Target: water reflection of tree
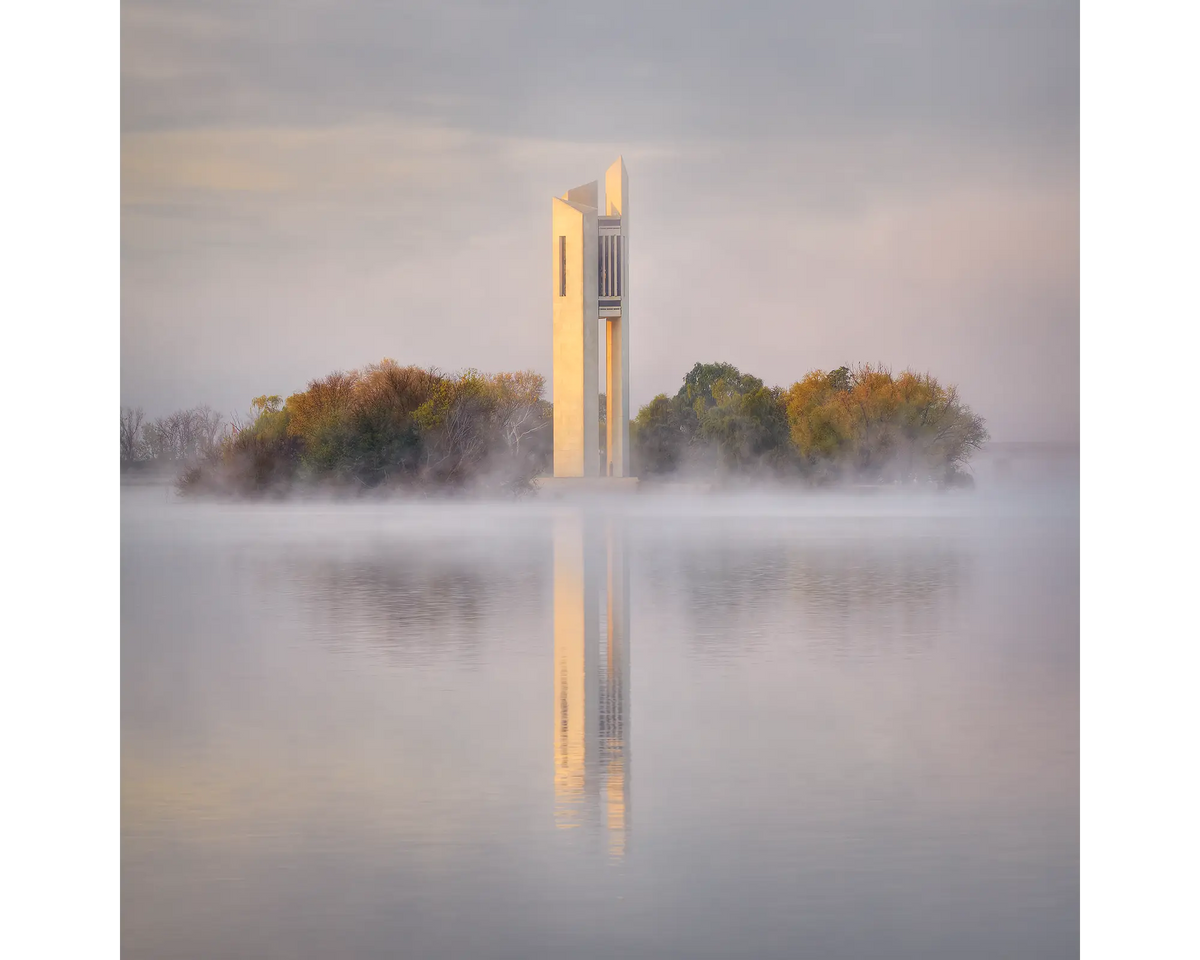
{"x": 858, "y": 598}
{"x": 415, "y": 606}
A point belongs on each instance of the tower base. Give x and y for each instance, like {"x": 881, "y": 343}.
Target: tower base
{"x": 560, "y": 488}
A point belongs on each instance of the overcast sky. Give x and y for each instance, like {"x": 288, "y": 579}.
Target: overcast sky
{"x": 310, "y": 185}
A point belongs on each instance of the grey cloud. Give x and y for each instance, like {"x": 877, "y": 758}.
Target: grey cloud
{"x": 632, "y": 69}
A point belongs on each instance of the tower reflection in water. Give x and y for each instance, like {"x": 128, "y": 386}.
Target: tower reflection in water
{"x": 591, "y": 676}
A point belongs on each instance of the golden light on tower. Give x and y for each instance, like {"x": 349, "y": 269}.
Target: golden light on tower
{"x": 590, "y": 271}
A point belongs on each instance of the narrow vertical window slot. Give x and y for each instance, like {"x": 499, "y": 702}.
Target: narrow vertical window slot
{"x": 562, "y": 266}
{"x": 605, "y": 253}
{"x": 609, "y": 274}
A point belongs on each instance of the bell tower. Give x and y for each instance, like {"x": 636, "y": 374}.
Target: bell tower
{"x": 591, "y": 283}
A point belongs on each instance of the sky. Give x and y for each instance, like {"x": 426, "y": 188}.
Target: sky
{"x": 310, "y": 185}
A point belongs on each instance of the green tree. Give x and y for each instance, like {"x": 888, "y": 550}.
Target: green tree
{"x": 660, "y": 435}
{"x": 720, "y": 420}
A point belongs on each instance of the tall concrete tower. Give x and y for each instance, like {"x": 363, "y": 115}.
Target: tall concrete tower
{"x": 591, "y": 283}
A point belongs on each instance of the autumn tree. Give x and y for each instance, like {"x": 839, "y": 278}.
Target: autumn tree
{"x": 474, "y": 426}
{"x": 857, "y": 423}
{"x": 520, "y": 411}
{"x": 255, "y": 455}
{"x": 384, "y": 438}
{"x": 389, "y": 425}
{"x": 318, "y": 418}
{"x": 867, "y": 424}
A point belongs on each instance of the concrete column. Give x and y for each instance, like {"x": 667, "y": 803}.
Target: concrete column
{"x": 617, "y": 412}
{"x": 576, "y": 337}
{"x": 616, "y": 204}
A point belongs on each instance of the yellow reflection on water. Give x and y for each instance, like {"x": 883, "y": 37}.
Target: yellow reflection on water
{"x": 591, "y": 686}
{"x": 573, "y": 601}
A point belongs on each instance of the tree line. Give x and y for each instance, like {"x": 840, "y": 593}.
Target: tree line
{"x": 181, "y": 438}
{"x": 859, "y": 424}
{"x": 390, "y": 426}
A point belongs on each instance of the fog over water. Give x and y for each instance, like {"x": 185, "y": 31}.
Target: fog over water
{"x": 827, "y": 725}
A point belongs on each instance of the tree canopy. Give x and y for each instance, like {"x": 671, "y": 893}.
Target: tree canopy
{"x": 860, "y": 424}
{"x": 388, "y": 425}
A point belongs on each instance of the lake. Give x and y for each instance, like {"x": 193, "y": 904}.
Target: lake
{"x": 824, "y": 725}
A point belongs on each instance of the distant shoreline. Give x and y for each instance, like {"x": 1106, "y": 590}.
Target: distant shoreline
{"x": 147, "y": 473}
{"x": 1058, "y": 448}
{"x": 992, "y": 456}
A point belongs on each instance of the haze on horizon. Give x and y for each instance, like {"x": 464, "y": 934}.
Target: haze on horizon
{"x": 309, "y": 186}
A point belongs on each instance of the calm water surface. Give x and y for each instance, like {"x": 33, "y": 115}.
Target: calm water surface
{"x": 824, "y": 726}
